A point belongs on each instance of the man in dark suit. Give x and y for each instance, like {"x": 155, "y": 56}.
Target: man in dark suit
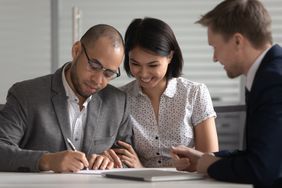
{"x": 75, "y": 103}
{"x": 240, "y": 33}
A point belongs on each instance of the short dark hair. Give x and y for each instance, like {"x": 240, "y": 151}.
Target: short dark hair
{"x": 156, "y": 36}
{"x": 248, "y": 17}
{"x": 102, "y": 30}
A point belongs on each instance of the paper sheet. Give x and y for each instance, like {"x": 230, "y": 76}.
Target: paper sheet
{"x": 98, "y": 172}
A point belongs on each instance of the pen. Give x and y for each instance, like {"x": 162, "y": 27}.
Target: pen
{"x": 73, "y": 148}
{"x": 71, "y": 144}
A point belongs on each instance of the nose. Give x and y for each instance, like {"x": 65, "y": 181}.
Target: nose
{"x": 214, "y": 58}
{"x": 98, "y": 77}
{"x": 143, "y": 72}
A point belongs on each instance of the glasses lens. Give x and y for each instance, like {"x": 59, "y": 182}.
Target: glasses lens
{"x": 95, "y": 64}
{"x": 110, "y": 74}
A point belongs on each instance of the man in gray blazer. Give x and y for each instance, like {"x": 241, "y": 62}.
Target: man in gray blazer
{"x": 75, "y": 103}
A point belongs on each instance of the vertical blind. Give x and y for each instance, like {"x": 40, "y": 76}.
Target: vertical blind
{"x": 25, "y": 41}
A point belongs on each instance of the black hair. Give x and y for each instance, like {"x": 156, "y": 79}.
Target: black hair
{"x": 156, "y": 36}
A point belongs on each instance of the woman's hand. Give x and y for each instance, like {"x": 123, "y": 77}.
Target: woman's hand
{"x": 127, "y": 155}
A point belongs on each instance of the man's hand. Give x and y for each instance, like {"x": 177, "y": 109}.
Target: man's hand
{"x": 185, "y": 159}
{"x": 113, "y": 157}
{"x": 127, "y": 155}
{"x": 188, "y": 159}
{"x": 205, "y": 161}
{"x": 100, "y": 162}
{"x": 65, "y": 161}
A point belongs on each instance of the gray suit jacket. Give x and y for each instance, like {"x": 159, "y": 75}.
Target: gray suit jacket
{"x": 35, "y": 120}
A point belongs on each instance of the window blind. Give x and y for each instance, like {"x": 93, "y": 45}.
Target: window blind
{"x": 25, "y": 41}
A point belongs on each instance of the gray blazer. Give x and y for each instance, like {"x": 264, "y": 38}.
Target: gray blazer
{"x": 35, "y": 120}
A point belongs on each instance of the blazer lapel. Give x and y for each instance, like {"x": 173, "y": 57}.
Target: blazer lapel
{"x": 60, "y": 106}
{"x": 93, "y": 113}
{"x": 59, "y": 100}
{"x": 259, "y": 79}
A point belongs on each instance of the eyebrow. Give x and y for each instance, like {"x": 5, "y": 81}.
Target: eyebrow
{"x": 150, "y": 62}
{"x": 94, "y": 59}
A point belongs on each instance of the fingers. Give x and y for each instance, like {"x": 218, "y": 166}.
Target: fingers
{"x": 125, "y": 152}
{"x": 183, "y": 151}
{"x": 101, "y": 162}
{"x": 92, "y": 160}
{"x": 116, "y": 160}
{"x": 65, "y": 161}
{"x": 126, "y": 149}
{"x": 75, "y": 161}
{"x": 126, "y": 146}
{"x": 113, "y": 157}
{"x": 174, "y": 156}
{"x": 182, "y": 164}
{"x": 106, "y": 153}
{"x": 106, "y": 163}
{"x": 128, "y": 163}
{"x": 131, "y": 160}
{"x": 185, "y": 158}
{"x": 82, "y": 158}
{"x": 180, "y": 151}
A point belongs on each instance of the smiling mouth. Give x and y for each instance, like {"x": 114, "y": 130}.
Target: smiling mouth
{"x": 147, "y": 80}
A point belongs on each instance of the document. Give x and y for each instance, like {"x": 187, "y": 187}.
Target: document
{"x": 99, "y": 172}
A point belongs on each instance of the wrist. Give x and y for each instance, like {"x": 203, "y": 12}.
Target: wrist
{"x": 44, "y": 162}
{"x": 205, "y": 161}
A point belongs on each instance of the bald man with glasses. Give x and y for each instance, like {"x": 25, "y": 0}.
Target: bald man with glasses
{"x": 69, "y": 120}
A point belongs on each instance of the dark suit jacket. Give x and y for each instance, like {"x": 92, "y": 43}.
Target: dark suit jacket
{"x": 261, "y": 162}
{"x": 35, "y": 120}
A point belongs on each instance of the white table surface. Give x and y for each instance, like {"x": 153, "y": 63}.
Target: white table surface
{"x": 30, "y": 180}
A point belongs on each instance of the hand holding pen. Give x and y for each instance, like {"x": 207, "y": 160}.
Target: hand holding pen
{"x": 74, "y": 149}
{"x": 96, "y": 161}
{"x": 63, "y": 161}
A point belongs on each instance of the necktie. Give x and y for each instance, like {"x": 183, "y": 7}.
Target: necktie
{"x": 247, "y": 94}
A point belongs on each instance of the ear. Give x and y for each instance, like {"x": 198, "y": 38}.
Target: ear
{"x": 76, "y": 49}
{"x": 238, "y": 40}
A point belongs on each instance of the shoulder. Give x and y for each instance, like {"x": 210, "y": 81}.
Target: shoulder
{"x": 269, "y": 73}
{"x": 30, "y": 86}
{"x": 111, "y": 92}
{"x": 194, "y": 91}
{"x": 190, "y": 85}
{"x": 28, "y": 93}
{"x": 112, "y": 97}
{"x": 129, "y": 87}
{"x": 272, "y": 61}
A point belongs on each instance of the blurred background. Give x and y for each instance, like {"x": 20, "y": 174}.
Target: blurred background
{"x": 37, "y": 35}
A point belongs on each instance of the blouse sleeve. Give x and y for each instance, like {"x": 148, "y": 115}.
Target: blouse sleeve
{"x": 202, "y": 105}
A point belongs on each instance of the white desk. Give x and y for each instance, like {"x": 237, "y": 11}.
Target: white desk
{"x": 42, "y": 180}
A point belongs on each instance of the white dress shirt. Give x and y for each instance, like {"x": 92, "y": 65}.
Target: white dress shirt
{"x": 77, "y": 118}
{"x": 253, "y": 69}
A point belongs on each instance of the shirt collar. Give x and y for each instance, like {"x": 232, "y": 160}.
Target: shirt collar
{"x": 171, "y": 88}
{"x": 252, "y": 71}
{"x": 69, "y": 92}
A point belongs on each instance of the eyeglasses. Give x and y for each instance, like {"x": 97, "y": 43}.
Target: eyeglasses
{"x": 95, "y": 65}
